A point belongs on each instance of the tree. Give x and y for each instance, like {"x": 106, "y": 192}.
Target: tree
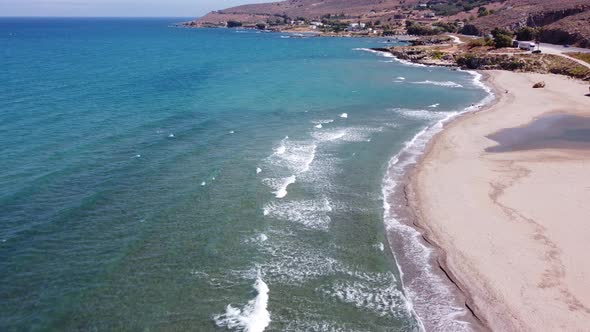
{"x": 499, "y": 31}
{"x": 526, "y": 33}
{"x": 482, "y": 11}
{"x": 417, "y": 29}
{"x": 447, "y": 27}
{"x": 260, "y": 26}
{"x": 470, "y": 29}
{"x": 502, "y": 40}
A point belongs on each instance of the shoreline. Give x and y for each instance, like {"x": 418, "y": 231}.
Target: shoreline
{"x": 433, "y": 297}
{"x": 312, "y": 33}
{"x": 426, "y": 218}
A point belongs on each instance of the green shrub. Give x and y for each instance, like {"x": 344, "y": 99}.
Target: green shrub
{"x": 414, "y": 28}
{"x": 447, "y": 27}
{"x": 482, "y": 11}
{"x": 526, "y": 33}
{"x": 581, "y": 56}
{"x": 437, "y": 55}
{"x": 502, "y": 37}
{"x": 480, "y": 42}
{"x": 503, "y": 41}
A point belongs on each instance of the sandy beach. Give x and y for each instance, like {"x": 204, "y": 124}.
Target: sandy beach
{"x": 513, "y": 222}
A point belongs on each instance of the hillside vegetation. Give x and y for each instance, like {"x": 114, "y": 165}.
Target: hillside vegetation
{"x": 555, "y": 21}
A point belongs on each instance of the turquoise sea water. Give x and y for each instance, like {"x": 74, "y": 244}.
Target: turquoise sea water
{"x": 165, "y": 179}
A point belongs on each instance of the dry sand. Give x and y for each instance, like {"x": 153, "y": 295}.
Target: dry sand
{"x": 514, "y": 227}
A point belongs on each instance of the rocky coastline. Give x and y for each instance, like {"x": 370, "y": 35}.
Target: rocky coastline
{"x": 443, "y": 53}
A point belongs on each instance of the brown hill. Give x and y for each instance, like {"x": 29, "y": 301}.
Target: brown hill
{"x": 571, "y": 30}
{"x": 309, "y": 9}
{"x": 561, "y": 21}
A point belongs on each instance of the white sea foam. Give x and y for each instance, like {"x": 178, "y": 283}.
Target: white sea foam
{"x": 401, "y": 78}
{"x": 314, "y": 325}
{"x": 430, "y": 295}
{"x": 384, "y": 300}
{"x": 252, "y": 317}
{"x": 345, "y": 134}
{"x": 421, "y": 114}
{"x": 203, "y": 183}
{"x": 449, "y": 84}
{"x": 323, "y": 121}
{"x": 294, "y": 156}
{"x": 331, "y": 135}
{"x": 383, "y": 54}
{"x": 280, "y": 185}
{"x": 479, "y": 84}
{"x": 282, "y": 190}
{"x": 319, "y": 126}
{"x": 232, "y": 132}
{"x": 258, "y": 170}
{"x": 389, "y": 55}
{"x": 344, "y": 115}
{"x": 292, "y": 261}
{"x": 379, "y": 246}
{"x": 262, "y": 237}
{"x": 310, "y": 213}
{"x": 171, "y": 135}
{"x": 281, "y": 149}
{"x": 434, "y": 105}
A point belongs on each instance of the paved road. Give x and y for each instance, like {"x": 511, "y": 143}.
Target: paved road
{"x": 559, "y": 50}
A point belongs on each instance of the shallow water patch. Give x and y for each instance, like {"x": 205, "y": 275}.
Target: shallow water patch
{"x": 553, "y": 131}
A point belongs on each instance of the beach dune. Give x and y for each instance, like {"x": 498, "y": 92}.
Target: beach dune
{"x": 513, "y": 224}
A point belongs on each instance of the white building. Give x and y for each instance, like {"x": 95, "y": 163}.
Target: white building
{"x": 527, "y": 46}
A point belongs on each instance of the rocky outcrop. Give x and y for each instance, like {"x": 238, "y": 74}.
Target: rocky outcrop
{"x": 545, "y": 18}
{"x": 573, "y": 30}
{"x": 421, "y": 54}
{"x": 485, "y": 60}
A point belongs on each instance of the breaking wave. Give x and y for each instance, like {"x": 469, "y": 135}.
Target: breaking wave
{"x": 252, "y": 317}
{"x": 430, "y": 293}
{"x": 310, "y": 213}
{"x": 449, "y": 84}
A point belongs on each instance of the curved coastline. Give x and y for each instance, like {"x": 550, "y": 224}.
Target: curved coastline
{"x": 437, "y": 300}
{"x": 492, "y": 306}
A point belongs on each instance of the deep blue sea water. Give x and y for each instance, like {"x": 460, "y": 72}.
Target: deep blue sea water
{"x": 158, "y": 178}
